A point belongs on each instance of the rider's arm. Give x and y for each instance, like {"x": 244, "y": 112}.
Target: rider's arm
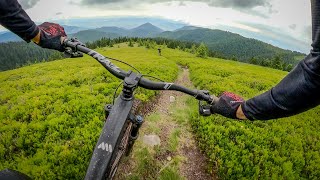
{"x": 46, "y": 35}
{"x": 298, "y": 91}
{"x": 14, "y": 18}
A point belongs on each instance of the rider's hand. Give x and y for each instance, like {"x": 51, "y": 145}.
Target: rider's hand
{"x": 51, "y": 36}
{"x": 229, "y": 105}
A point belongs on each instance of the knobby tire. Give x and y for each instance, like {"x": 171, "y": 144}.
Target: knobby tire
{"x": 122, "y": 147}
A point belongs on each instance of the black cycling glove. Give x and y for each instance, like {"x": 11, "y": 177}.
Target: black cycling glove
{"x": 50, "y": 36}
{"x": 227, "y": 105}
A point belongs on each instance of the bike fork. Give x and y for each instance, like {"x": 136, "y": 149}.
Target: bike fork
{"x": 136, "y": 124}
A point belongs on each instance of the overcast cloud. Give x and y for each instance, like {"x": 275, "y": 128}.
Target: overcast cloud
{"x": 284, "y": 21}
{"x": 27, "y": 4}
{"x": 241, "y": 4}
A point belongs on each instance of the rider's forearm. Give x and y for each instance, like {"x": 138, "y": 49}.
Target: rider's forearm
{"x": 14, "y": 18}
{"x": 299, "y": 90}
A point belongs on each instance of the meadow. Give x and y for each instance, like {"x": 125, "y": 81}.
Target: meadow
{"x": 51, "y": 115}
{"x": 287, "y": 148}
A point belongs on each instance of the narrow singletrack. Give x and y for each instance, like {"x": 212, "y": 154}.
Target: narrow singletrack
{"x": 171, "y": 121}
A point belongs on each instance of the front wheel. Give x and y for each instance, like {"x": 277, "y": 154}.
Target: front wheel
{"x": 124, "y": 146}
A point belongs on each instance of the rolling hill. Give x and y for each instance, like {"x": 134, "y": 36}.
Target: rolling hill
{"x": 144, "y": 30}
{"x": 231, "y": 45}
{"x": 222, "y": 43}
{"x": 92, "y": 35}
{"x": 113, "y": 29}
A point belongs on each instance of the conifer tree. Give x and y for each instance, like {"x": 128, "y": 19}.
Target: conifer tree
{"x": 202, "y": 51}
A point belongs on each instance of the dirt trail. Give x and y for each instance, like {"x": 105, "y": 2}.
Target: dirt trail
{"x": 193, "y": 164}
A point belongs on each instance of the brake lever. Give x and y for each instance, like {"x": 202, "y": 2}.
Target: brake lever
{"x": 73, "y": 52}
{"x": 205, "y": 109}
{"x": 69, "y": 53}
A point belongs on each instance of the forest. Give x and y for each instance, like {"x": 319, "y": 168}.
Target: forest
{"x": 234, "y": 46}
{"x": 276, "y": 62}
{"x": 18, "y": 54}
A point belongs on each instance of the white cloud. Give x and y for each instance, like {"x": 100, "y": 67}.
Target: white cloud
{"x": 278, "y": 14}
{"x": 27, "y": 4}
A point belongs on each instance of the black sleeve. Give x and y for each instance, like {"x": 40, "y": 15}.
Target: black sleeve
{"x": 299, "y": 90}
{"x": 14, "y": 18}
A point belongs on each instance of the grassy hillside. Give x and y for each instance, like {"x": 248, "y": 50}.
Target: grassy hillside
{"x": 231, "y": 45}
{"x": 51, "y": 115}
{"x": 287, "y": 148}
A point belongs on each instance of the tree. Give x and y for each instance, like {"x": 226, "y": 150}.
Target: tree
{"x": 194, "y": 49}
{"x": 140, "y": 43}
{"x": 202, "y": 51}
{"x": 276, "y": 63}
{"x": 130, "y": 44}
{"x": 253, "y": 60}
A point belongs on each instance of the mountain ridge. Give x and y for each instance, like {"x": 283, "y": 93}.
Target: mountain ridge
{"x": 223, "y": 43}
{"x": 231, "y": 45}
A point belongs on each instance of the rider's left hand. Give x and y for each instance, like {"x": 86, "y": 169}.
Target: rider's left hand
{"x": 50, "y": 36}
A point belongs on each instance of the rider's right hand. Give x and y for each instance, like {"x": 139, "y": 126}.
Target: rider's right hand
{"x": 229, "y": 105}
{"x": 50, "y": 36}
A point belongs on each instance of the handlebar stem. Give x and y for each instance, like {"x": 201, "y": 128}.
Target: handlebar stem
{"x": 130, "y": 83}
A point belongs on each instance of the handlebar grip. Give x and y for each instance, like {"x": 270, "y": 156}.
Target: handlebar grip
{"x": 215, "y": 99}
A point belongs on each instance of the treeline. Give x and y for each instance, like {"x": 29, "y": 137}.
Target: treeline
{"x": 200, "y": 49}
{"x": 17, "y": 54}
{"x": 232, "y": 45}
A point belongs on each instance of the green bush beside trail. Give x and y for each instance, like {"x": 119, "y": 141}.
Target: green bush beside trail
{"x": 51, "y": 114}
{"x": 287, "y": 148}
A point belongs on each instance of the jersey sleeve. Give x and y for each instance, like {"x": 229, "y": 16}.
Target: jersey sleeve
{"x": 299, "y": 90}
{"x": 15, "y": 19}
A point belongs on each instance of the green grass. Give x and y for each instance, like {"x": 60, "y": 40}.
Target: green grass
{"x": 51, "y": 115}
{"x": 287, "y": 148}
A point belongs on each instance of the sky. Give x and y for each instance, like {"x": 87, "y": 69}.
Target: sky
{"x": 278, "y": 22}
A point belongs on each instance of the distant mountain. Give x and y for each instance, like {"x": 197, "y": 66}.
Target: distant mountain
{"x": 9, "y": 36}
{"x": 145, "y": 30}
{"x": 187, "y": 28}
{"x": 92, "y": 35}
{"x": 72, "y": 29}
{"x": 222, "y": 43}
{"x": 231, "y": 45}
{"x": 123, "y": 22}
{"x": 113, "y": 29}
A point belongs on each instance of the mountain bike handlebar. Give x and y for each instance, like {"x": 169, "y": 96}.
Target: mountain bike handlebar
{"x": 77, "y": 46}
{"x": 114, "y": 137}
